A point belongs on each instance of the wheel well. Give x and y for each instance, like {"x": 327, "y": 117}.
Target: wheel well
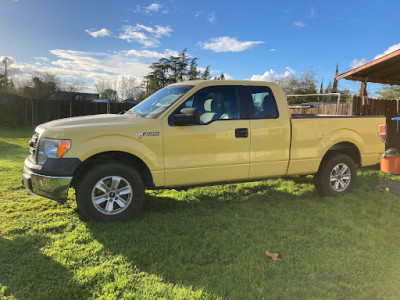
{"x": 124, "y": 157}
{"x": 346, "y": 148}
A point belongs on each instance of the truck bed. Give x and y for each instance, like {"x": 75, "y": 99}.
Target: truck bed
{"x": 313, "y": 135}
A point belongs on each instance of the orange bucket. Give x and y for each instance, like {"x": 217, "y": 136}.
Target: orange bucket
{"x": 390, "y": 162}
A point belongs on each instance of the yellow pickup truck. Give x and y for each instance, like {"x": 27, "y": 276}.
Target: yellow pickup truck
{"x": 191, "y": 134}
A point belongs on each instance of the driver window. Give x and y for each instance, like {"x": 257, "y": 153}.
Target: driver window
{"x": 215, "y": 103}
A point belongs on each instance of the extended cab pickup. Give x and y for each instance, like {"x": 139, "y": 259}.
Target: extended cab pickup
{"x": 196, "y": 133}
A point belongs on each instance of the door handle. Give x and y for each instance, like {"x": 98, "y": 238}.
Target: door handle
{"x": 241, "y": 132}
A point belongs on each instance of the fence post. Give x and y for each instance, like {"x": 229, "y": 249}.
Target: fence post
{"x": 33, "y": 123}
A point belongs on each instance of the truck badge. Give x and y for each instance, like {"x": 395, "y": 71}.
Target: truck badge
{"x": 149, "y": 133}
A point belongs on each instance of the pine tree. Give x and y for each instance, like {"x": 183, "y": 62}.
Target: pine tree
{"x": 174, "y": 69}
{"x": 206, "y": 73}
{"x": 335, "y": 82}
{"x": 321, "y": 89}
{"x": 193, "y": 73}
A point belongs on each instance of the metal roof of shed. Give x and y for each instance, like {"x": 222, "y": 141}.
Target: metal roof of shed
{"x": 385, "y": 69}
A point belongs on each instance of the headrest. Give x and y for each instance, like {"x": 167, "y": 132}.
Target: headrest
{"x": 208, "y": 105}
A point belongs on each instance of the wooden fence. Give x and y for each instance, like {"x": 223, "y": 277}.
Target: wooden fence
{"x": 321, "y": 109}
{"x": 17, "y": 111}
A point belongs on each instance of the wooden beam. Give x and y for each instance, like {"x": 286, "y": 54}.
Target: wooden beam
{"x": 364, "y": 97}
{"x": 374, "y": 80}
{"x": 369, "y": 65}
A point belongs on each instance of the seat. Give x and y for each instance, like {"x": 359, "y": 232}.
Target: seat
{"x": 231, "y": 111}
{"x": 269, "y": 107}
{"x": 209, "y": 114}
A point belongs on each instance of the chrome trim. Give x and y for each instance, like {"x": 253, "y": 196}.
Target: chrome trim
{"x": 47, "y": 186}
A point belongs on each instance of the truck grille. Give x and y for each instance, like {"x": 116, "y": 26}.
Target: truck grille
{"x": 33, "y": 146}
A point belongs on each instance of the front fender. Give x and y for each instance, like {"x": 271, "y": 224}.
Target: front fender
{"x": 147, "y": 148}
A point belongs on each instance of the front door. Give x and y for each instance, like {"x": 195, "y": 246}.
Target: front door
{"x": 217, "y": 150}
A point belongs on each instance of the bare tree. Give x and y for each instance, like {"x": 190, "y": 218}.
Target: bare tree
{"x": 128, "y": 88}
{"x": 102, "y": 85}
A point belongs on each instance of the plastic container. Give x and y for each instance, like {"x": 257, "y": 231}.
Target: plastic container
{"x": 390, "y": 162}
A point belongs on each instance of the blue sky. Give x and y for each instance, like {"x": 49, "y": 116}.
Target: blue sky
{"x": 93, "y": 40}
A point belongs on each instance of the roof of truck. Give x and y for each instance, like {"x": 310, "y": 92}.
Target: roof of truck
{"x": 224, "y": 82}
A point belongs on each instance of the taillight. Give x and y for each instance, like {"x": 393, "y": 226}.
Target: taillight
{"x": 382, "y": 132}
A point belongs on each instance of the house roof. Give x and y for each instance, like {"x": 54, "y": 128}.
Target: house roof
{"x": 385, "y": 69}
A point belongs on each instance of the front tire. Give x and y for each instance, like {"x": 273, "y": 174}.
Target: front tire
{"x": 110, "y": 192}
{"x": 336, "y": 176}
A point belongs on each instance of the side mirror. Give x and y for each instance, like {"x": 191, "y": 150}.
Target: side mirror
{"x": 187, "y": 116}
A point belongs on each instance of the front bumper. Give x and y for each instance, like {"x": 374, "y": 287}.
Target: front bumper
{"x": 47, "y": 186}
{"x": 53, "y": 185}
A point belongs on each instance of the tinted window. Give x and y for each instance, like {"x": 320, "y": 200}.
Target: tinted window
{"x": 264, "y": 102}
{"x": 214, "y": 103}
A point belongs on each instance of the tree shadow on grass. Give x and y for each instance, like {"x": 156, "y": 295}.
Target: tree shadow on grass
{"x": 25, "y": 272}
{"x": 208, "y": 240}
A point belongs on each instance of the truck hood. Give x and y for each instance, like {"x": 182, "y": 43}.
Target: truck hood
{"x": 84, "y": 121}
{"x": 89, "y": 126}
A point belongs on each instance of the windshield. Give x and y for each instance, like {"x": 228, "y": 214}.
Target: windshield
{"x": 156, "y": 104}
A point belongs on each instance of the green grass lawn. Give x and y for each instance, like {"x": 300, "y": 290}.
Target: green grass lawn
{"x": 205, "y": 243}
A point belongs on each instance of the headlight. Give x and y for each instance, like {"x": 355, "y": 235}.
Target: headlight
{"x": 51, "y": 148}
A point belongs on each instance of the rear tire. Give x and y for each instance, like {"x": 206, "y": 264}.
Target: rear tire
{"x": 336, "y": 176}
{"x": 110, "y": 192}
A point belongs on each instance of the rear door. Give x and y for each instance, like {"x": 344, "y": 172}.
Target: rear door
{"x": 217, "y": 150}
{"x": 269, "y": 133}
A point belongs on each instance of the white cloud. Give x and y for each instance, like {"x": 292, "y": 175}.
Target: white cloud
{"x": 153, "y": 7}
{"x": 99, "y": 33}
{"x": 228, "y": 44}
{"x": 197, "y": 13}
{"x": 355, "y": 63}
{"x": 84, "y": 66}
{"x": 151, "y": 54}
{"x": 299, "y": 24}
{"x": 158, "y": 30}
{"x": 41, "y": 58}
{"x": 145, "y": 35}
{"x": 148, "y": 10}
{"x": 271, "y": 75}
{"x": 88, "y": 67}
{"x": 272, "y": 50}
{"x": 211, "y": 18}
{"x": 389, "y": 50}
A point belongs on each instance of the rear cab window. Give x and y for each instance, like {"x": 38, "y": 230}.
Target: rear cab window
{"x": 264, "y": 102}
